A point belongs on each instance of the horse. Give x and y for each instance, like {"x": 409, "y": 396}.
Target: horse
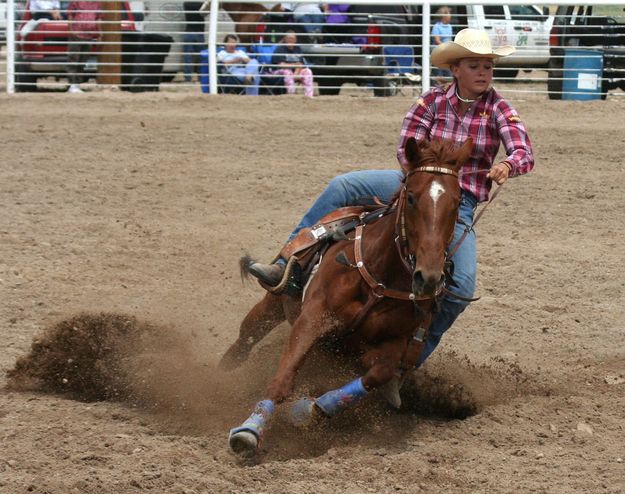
{"x": 246, "y": 16}
{"x": 377, "y": 300}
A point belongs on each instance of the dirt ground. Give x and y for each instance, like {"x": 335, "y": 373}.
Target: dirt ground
{"x": 140, "y": 206}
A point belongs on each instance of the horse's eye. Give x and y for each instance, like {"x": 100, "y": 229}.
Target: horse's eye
{"x": 410, "y": 199}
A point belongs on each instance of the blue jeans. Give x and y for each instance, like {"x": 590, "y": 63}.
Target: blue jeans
{"x": 359, "y": 188}
{"x": 193, "y": 44}
{"x": 252, "y": 68}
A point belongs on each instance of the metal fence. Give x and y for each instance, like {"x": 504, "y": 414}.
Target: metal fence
{"x": 377, "y": 48}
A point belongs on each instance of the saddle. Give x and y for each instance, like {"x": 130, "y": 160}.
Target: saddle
{"x": 305, "y": 250}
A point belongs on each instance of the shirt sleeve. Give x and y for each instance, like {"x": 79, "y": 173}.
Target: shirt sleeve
{"x": 242, "y": 54}
{"x": 417, "y": 124}
{"x": 221, "y": 55}
{"x": 515, "y": 139}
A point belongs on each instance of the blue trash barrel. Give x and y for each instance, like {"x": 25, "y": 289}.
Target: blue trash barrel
{"x": 582, "y": 74}
{"x": 204, "y": 83}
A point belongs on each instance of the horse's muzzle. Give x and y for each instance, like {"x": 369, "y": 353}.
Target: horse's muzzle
{"x": 426, "y": 284}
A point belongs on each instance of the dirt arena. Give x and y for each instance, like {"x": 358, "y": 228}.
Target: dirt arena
{"x": 118, "y": 206}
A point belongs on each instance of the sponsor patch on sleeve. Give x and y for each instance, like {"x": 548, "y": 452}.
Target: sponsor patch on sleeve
{"x": 514, "y": 118}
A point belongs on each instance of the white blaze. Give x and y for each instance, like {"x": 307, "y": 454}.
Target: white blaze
{"x": 436, "y": 190}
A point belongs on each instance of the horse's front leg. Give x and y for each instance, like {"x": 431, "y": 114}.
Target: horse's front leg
{"x": 382, "y": 362}
{"x": 307, "y": 329}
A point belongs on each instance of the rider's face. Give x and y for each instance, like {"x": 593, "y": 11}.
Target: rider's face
{"x": 474, "y": 75}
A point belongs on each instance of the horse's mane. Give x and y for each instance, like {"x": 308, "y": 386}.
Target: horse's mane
{"x": 440, "y": 152}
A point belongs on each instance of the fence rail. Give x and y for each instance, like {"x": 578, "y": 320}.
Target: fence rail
{"x": 377, "y": 47}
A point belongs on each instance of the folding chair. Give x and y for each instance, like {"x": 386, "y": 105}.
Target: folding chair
{"x": 399, "y": 63}
{"x": 270, "y": 83}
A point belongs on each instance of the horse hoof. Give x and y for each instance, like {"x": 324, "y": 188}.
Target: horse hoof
{"x": 390, "y": 392}
{"x": 232, "y": 360}
{"x": 228, "y": 364}
{"x": 243, "y": 443}
{"x": 302, "y": 412}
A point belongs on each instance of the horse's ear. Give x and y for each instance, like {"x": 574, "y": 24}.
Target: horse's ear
{"x": 464, "y": 152}
{"x": 413, "y": 151}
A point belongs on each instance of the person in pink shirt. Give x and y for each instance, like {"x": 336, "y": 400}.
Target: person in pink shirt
{"x": 84, "y": 18}
{"x": 468, "y": 108}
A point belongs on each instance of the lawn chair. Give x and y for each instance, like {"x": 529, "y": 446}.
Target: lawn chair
{"x": 401, "y": 68}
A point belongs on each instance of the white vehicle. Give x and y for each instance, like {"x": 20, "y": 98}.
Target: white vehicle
{"x": 526, "y": 27}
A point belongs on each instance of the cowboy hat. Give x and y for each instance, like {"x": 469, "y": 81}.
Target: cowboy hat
{"x": 468, "y": 43}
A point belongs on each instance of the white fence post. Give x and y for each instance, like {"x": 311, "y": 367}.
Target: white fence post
{"x": 10, "y": 46}
{"x": 425, "y": 46}
{"x": 212, "y": 47}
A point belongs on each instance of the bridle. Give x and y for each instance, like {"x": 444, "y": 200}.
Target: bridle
{"x": 380, "y": 291}
{"x": 401, "y": 239}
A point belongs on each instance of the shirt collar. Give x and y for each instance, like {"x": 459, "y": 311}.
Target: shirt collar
{"x": 455, "y": 102}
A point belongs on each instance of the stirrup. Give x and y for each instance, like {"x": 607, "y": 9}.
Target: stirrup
{"x": 289, "y": 282}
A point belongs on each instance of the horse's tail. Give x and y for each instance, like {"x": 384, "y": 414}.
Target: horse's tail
{"x": 244, "y": 266}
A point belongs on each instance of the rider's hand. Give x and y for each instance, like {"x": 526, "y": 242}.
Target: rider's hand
{"x": 499, "y": 172}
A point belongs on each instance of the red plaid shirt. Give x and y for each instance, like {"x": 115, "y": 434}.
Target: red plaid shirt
{"x": 84, "y": 19}
{"x": 489, "y": 121}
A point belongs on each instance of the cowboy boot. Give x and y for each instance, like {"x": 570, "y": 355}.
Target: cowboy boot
{"x": 270, "y": 274}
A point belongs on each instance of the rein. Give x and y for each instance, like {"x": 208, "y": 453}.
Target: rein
{"x": 468, "y": 228}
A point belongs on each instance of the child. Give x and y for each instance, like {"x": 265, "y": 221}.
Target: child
{"x": 441, "y": 33}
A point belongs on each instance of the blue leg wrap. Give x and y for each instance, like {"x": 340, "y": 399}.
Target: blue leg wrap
{"x": 338, "y": 399}
{"x": 257, "y": 422}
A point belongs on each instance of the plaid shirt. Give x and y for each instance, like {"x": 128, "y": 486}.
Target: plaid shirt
{"x": 489, "y": 121}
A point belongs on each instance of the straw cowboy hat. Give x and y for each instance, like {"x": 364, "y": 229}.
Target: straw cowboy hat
{"x": 468, "y": 43}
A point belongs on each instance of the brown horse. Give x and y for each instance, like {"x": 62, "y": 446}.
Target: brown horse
{"x": 246, "y": 17}
{"x": 378, "y": 302}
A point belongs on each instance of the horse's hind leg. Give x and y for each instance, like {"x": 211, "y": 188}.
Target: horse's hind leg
{"x": 263, "y": 317}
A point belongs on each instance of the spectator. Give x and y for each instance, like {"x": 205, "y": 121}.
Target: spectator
{"x": 193, "y": 38}
{"x": 441, "y": 33}
{"x": 84, "y": 30}
{"x": 337, "y": 22}
{"x": 291, "y": 64}
{"x": 310, "y": 16}
{"x": 239, "y": 65}
{"x": 46, "y": 9}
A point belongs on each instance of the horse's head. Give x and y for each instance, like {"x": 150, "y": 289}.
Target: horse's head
{"x": 430, "y": 209}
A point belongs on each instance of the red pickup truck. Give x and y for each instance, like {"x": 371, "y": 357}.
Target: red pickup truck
{"x": 41, "y": 48}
